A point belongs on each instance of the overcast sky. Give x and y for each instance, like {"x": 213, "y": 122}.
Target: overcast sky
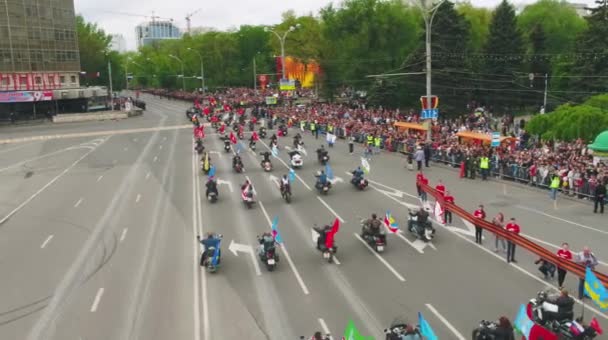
{"x": 220, "y": 14}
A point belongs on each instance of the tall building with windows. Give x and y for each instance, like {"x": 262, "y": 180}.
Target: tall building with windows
{"x": 118, "y": 43}
{"x": 39, "y": 59}
{"x": 150, "y": 32}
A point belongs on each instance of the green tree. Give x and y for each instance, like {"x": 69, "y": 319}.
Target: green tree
{"x": 504, "y": 51}
{"x": 479, "y": 23}
{"x": 593, "y": 46}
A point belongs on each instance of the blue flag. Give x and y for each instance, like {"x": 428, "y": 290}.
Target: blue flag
{"x": 239, "y": 147}
{"x": 275, "y": 231}
{"x": 329, "y": 172}
{"x": 292, "y": 175}
{"x": 216, "y": 254}
{"x": 595, "y": 290}
{"x": 425, "y": 328}
{"x": 275, "y": 151}
{"x": 211, "y": 171}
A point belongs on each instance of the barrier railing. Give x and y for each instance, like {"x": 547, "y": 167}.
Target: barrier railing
{"x": 570, "y": 266}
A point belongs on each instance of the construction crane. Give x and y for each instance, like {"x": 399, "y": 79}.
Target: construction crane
{"x": 153, "y": 17}
{"x": 188, "y": 16}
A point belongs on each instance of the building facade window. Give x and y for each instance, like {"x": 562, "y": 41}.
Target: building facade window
{"x": 73, "y": 79}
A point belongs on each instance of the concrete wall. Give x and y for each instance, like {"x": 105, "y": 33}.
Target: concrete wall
{"x": 93, "y": 116}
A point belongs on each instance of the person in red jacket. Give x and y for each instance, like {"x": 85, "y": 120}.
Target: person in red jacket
{"x": 565, "y": 254}
{"x": 440, "y": 188}
{"x": 447, "y": 213}
{"x": 480, "y": 214}
{"x": 422, "y": 180}
{"x": 511, "y": 227}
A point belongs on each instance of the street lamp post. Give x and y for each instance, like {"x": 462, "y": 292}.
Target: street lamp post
{"x": 202, "y": 68}
{"x": 428, "y": 14}
{"x": 110, "y": 81}
{"x": 183, "y": 74}
{"x": 282, "y": 42}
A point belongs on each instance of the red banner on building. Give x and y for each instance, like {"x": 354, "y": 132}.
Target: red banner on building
{"x": 29, "y": 81}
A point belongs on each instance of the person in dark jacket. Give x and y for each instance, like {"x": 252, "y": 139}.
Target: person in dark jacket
{"x": 427, "y": 154}
{"x": 600, "y": 196}
{"x": 504, "y": 331}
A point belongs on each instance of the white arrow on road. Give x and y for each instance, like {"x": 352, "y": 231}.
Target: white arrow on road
{"x": 235, "y": 248}
{"x": 336, "y": 179}
{"x": 216, "y": 152}
{"x": 220, "y": 182}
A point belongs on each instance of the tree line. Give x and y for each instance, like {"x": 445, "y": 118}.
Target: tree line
{"x": 497, "y": 57}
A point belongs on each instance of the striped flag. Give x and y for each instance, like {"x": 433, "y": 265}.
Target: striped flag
{"x": 275, "y": 151}
{"x": 292, "y": 175}
{"x": 390, "y": 222}
{"x": 275, "y": 231}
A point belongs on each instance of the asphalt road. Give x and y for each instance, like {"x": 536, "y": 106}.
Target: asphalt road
{"x": 97, "y": 241}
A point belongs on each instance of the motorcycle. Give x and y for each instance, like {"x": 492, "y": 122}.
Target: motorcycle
{"x": 327, "y": 253}
{"x": 286, "y": 194}
{"x": 247, "y": 197}
{"x": 251, "y": 126}
{"x": 200, "y": 148}
{"x": 425, "y": 233}
{"x": 212, "y": 197}
{"x": 270, "y": 258}
{"x": 323, "y": 337}
{"x": 208, "y": 261}
{"x": 485, "y": 330}
{"x": 252, "y": 146}
{"x": 266, "y": 165}
{"x": 262, "y": 133}
{"x": 297, "y": 161}
{"x": 323, "y": 189}
{"x": 359, "y": 183}
{"x": 397, "y": 330}
{"x": 283, "y": 130}
{"x": 377, "y": 242}
{"x": 541, "y": 304}
{"x": 227, "y": 147}
{"x": 323, "y": 158}
{"x": 240, "y": 136}
{"x": 238, "y": 167}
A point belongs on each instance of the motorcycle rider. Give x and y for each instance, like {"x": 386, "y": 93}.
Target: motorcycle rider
{"x": 273, "y": 139}
{"x": 321, "y": 179}
{"x": 565, "y": 305}
{"x": 422, "y": 218}
{"x": 211, "y": 186}
{"x": 285, "y": 186}
{"x": 267, "y": 242}
{"x": 357, "y": 175}
{"x": 266, "y": 157}
{"x": 236, "y": 160}
{"x": 211, "y": 241}
{"x": 372, "y": 226}
{"x": 199, "y": 146}
{"x": 296, "y": 140}
{"x": 321, "y": 152}
{"x": 322, "y": 236}
{"x": 251, "y": 140}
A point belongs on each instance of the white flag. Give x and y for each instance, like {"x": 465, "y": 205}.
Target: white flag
{"x": 439, "y": 212}
{"x": 365, "y": 165}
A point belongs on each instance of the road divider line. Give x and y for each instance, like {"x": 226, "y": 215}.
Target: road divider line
{"x": 286, "y": 253}
{"x": 148, "y": 175}
{"x": 552, "y": 245}
{"x": 388, "y": 265}
{"x": 97, "y": 300}
{"x": 99, "y": 178}
{"x": 454, "y": 331}
{"x": 323, "y": 326}
{"x": 393, "y": 189}
{"x": 196, "y": 269}
{"x": 123, "y": 234}
{"x": 78, "y": 203}
{"x": 40, "y": 157}
{"x": 137, "y": 198}
{"x": 29, "y": 199}
{"x": 330, "y": 209}
{"x": 402, "y": 237}
{"x": 44, "y": 244}
{"x": 203, "y": 283}
{"x": 561, "y": 219}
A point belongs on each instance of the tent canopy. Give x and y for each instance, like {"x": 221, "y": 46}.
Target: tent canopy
{"x": 410, "y": 126}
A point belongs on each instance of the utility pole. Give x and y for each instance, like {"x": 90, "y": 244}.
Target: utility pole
{"x": 282, "y": 42}
{"x": 200, "y": 56}
{"x": 111, "y": 89}
{"x": 545, "y": 95}
{"x": 255, "y": 76}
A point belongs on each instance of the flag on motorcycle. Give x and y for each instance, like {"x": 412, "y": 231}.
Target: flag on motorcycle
{"x": 206, "y": 111}
{"x": 292, "y": 175}
{"x": 329, "y": 236}
{"x": 425, "y": 328}
{"x": 197, "y": 104}
{"x": 596, "y": 325}
{"x": 216, "y": 254}
{"x": 211, "y": 171}
{"x": 239, "y": 147}
{"x": 232, "y": 138}
{"x": 206, "y": 162}
{"x": 595, "y": 290}
{"x": 439, "y": 212}
{"x": 352, "y": 333}
{"x": 330, "y": 138}
{"x": 329, "y": 172}
{"x": 390, "y": 223}
{"x": 222, "y": 128}
{"x": 275, "y": 151}
{"x": 365, "y": 165}
{"x": 254, "y": 136}
{"x": 275, "y": 231}
{"x": 522, "y": 323}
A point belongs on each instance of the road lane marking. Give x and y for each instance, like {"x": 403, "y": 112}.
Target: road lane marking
{"x": 195, "y": 281}
{"x": 388, "y": 265}
{"x": 123, "y": 235}
{"x": 137, "y": 198}
{"x": 561, "y": 219}
{"x": 97, "y": 300}
{"x": 394, "y": 189}
{"x": 48, "y": 239}
{"x": 552, "y": 245}
{"x": 15, "y": 148}
{"x": 291, "y": 264}
{"x": 331, "y": 210}
{"x": 323, "y": 326}
{"x": 99, "y": 178}
{"x": 203, "y": 275}
{"x": 155, "y": 158}
{"x": 445, "y": 322}
{"x": 148, "y": 175}
{"x": 39, "y": 157}
{"x": 78, "y": 203}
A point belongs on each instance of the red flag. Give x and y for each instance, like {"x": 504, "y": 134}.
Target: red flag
{"x": 254, "y": 136}
{"x": 240, "y": 111}
{"x": 329, "y": 239}
{"x": 206, "y": 111}
{"x": 222, "y": 128}
{"x": 232, "y": 138}
{"x": 596, "y": 325}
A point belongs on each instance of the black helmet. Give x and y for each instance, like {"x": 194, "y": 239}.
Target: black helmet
{"x": 374, "y": 216}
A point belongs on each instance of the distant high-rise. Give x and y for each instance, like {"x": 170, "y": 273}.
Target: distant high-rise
{"x": 152, "y": 31}
{"x": 118, "y": 43}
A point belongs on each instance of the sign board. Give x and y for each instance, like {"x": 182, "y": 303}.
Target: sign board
{"x": 495, "y": 139}
{"x": 287, "y": 85}
{"x": 424, "y": 102}
{"x": 271, "y": 100}
{"x": 429, "y": 114}
{"x": 25, "y": 96}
